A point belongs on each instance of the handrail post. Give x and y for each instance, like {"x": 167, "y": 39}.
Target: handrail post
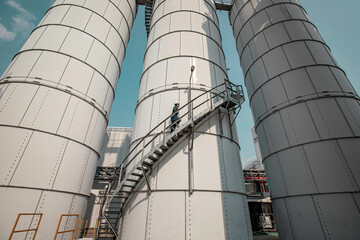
{"x": 146, "y": 179}
{"x": 105, "y": 202}
{"x": 238, "y": 94}
{"x": 96, "y": 230}
{"x": 120, "y": 175}
{"x": 192, "y": 114}
{"x": 142, "y": 168}
{"x": 227, "y": 88}
{"x": 191, "y": 161}
{"x": 190, "y": 103}
{"x": 142, "y": 151}
{"x": 79, "y": 228}
{"x": 164, "y": 133}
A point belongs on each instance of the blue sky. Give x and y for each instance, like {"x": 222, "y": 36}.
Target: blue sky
{"x": 336, "y": 20}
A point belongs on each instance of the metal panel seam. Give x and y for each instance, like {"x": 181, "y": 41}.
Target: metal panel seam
{"x": 65, "y": 54}
{"x": 54, "y": 134}
{"x": 59, "y": 89}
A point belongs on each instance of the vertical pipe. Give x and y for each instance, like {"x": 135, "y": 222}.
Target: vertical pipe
{"x": 56, "y": 96}
{"x": 306, "y": 117}
{"x": 185, "y": 33}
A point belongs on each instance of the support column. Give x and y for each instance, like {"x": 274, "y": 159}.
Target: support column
{"x": 55, "y": 100}
{"x": 212, "y": 205}
{"x": 306, "y": 116}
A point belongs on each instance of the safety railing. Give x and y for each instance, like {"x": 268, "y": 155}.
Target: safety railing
{"x": 84, "y": 229}
{"x": 230, "y": 91}
{"x": 96, "y": 228}
{"x": 66, "y": 231}
{"x": 226, "y": 91}
{"x": 26, "y": 230}
{"x": 77, "y": 227}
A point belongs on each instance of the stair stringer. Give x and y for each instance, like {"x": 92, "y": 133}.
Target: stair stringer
{"x": 141, "y": 186}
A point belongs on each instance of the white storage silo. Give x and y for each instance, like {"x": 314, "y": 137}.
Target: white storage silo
{"x": 206, "y": 199}
{"x": 56, "y": 96}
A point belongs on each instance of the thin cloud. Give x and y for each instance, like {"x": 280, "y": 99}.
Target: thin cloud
{"x": 17, "y": 6}
{"x": 22, "y": 25}
{"x": 22, "y": 22}
{"x": 6, "y": 34}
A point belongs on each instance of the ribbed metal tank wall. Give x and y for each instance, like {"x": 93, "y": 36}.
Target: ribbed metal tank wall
{"x": 185, "y": 33}
{"x": 56, "y": 96}
{"x": 307, "y": 118}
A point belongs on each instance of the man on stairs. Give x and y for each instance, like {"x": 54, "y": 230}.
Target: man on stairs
{"x": 175, "y": 117}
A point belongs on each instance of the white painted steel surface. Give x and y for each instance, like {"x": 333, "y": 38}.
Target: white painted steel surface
{"x": 55, "y": 100}
{"x": 306, "y": 116}
{"x": 115, "y": 146}
{"x": 185, "y": 33}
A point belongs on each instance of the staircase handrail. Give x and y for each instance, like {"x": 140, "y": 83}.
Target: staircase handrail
{"x": 228, "y": 85}
{"x": 118, "y": 173}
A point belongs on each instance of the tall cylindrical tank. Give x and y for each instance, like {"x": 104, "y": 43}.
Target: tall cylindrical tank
{"x": 56, "y": 96}
{"x": 306, "y": 116}
{"x": 185, "y": 33}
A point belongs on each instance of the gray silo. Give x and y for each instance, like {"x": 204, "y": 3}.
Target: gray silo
{"x": 306, "y": 116}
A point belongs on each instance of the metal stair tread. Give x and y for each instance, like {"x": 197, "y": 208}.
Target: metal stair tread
{"x": 157, "y": 152}
{"x": 164, "y": 148}
{"x": 152, "y": 157}
{"x": 133, "y": 180}
{"x": 175, "y": 138}
{"x": 120, "y": 196}
{"x": 126, "y": 191}
{"x": 144, "y": 165}
{"x": 145, "y": 169}
{"x": 169, "y": 141}
{"x": 137, "y": 174}
{"x": 147, "y": 164}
